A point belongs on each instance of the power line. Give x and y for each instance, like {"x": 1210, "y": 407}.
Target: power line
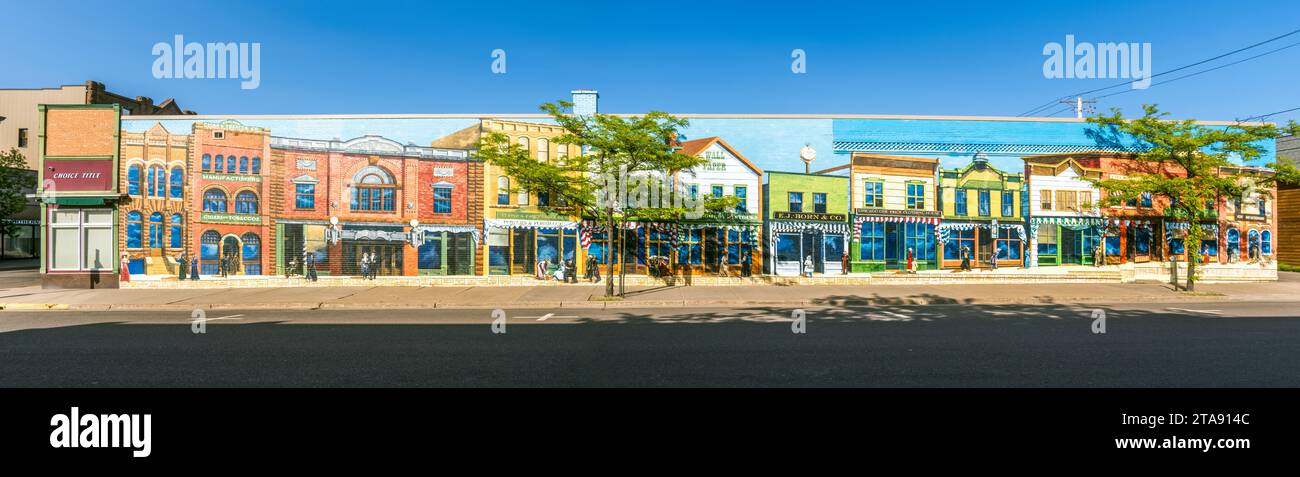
{"x": 1262, "y": 116}
{"x": 1047, "y": 105}
{"x": 1189, "y": 75}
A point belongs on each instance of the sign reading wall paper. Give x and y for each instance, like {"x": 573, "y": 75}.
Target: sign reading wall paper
{"x": 80, "y": 174}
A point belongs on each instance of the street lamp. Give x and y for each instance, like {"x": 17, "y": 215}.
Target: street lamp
{"x": 332, "y": 233}
{"x": 415, "y": 237}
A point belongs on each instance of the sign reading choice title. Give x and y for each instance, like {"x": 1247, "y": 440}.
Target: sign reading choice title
{"x": 809, "y": 216}
{"x": 80, "y": 175}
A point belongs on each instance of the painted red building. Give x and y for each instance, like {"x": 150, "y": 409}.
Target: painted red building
{"x": 414, "y": 209}
{"x": 230, "y": 226}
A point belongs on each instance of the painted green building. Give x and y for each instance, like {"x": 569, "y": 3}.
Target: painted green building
{"x": 982, "y": 213}
{"x": 806, "y": 217}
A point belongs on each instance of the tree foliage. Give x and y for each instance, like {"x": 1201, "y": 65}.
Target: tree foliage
{"x": 1191, "y": 165}
{"x": 14, "y": 180}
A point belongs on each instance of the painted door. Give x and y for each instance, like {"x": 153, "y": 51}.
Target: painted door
{"x": 833, "y": 250}
{"x": 812, "y": 246}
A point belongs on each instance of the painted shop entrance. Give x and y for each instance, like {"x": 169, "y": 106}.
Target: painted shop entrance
{"x": 387, "y": 256}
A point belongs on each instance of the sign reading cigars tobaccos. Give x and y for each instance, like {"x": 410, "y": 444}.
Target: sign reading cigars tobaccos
{"x": 80, "y": 175}
{"x": 809, "y": 216}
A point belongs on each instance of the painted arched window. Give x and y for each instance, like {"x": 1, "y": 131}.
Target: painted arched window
{"x": 220, "y": 163}
{"x": 373, "y": 190}
{"x": 1252, "y": 243}
{"x": 177, "y": 186}
{"x": 503, "y": 190}
{"x": 177, "y": 230}
{"x": 210, "y": 252}
{"x": 214, "y": 200}
{"x": 252, "y": 250}
{"x": 246, "y": 202}
{"x": 207, "y": 163}
{"x": 231, "y": 166}
{"x": 1266, "y": 242}
{"x": 134, "y": 229}
{"x": 1234, "y": 242}
{"x": 243, "y": 164}
{"x": 156, "y": 230}
{"x": 157, "y": 182}
{"x": 257, "y": 165}
{"x": 543, "y": 149}
{"x": 523, "y": 143}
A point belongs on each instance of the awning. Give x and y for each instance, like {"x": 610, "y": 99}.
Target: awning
{"x": 859, "y": 220}
{"x": 941, "y": 232}
{"x": 528, "y": 224}
{"x": 1072, "y": 223}
{"x": 455, "y": 229}
{"x": 777, "y": 226}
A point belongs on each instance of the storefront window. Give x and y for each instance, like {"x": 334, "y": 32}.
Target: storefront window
{"x": 691, "y": 250}
{"x": 920, "y": 238}
{"x": 834, "y": 247}
{"x": 177, "y": 230}
{"x": 81, "y": 239}
{"x": 209, "y": 253}
{"x": 1047, "y": 240}
{"x": 1112, "y": 245}
{"x": 1176, "y": 246}
{"x": 252, "y": 251}
{"x": 787, "y": 248}
{"x": 1210, "y": 247}
{"x": 873, "y": 241}
{"x": 1143, "y": 241}
{"x": 1008, "y": 248}
{"x": 430, "y": 253}
{"x": 134, "y": 229}
{"x": 956, "y": 240}
{"x": 1234, "y": 243}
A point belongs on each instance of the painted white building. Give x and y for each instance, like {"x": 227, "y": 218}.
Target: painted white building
{"x": 1064, "y": 217}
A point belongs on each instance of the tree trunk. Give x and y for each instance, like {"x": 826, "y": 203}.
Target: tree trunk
{"x": 1191, "y": 274}
{"x": 622, "y": 254}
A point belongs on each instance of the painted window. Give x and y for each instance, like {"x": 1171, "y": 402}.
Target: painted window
{"x": 1266, "y": 242}
{"x": 207, "y": 163}
{"x": 177, "y": 231}
{"x": 503, "y": 190}
{"x": 694, "y": 191}
{"x": 915, "y": 195}
{"x": 230, "y": 164}
{"x": 960, "y": 203}
{"x": 920, "y": 238}
{"x": 1044, "y": 200}
{"x": 873, "y": 194}
{"x": 1142, "y": 239}
{"x": 717, "y": 191}
{"x": 543, "y": 198}
{"x": 219, "y": 165}
{"x": 873, "y": 241}
{"x": 177, "y": 187}
{"x": 1146, "y": 199}
{"x": 796, "y": 201}
{"x": 690, "y": 249}
{"x": 251, "y": 252}
{"x": 158, "y": 177}
{"x": 210, "y": 253}
{"x": 1008, "y": 203}
{"x": 1234, "y": 242}
{"x": 134, "y": 229}
{"x": 742, "y": 193}
{"x": 257, "y": 165}
{"x": 819, "y": 202}
{"x": 1047, "y": 240}
{"x": 156, "y": 230}
{"x": 956, "y": 240}
{"x": 243, "y": 164}
{"x": 246, "y": 202}
{"x": 373, "y": 190}
{"x": 1007, "y": 246}
{"x": 984, "y": 203}
{"x": 1210, "y": 247}
{"x": 442, "y": 199}
{"x": 214, "y": 200}
{"x": 543, "y": 149}
{"x": 304, "y": 196}
{"x": 133, "y": 174}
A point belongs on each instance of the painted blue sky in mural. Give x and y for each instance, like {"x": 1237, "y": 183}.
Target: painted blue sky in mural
{"x": 935, "y": 58}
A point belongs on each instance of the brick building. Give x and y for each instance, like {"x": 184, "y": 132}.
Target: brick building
{"x": 152, "y": 175}
{"x": 231, "y": 223}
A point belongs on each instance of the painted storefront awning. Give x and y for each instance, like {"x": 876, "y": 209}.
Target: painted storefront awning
{"x": 1211, "y": 228}
{"x": 861, "y": 219}
{"x": 942, "y": 230}
{"x": 528, "y": 224}
{"x": 455, "y": 229}
{"x": 1072, "y": 223}
{"x": 789, "y": 226}
{"x": 1116, "y": 222}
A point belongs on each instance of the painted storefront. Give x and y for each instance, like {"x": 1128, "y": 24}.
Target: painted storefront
{"x": 1065, "y": 222}
{"x": 806, "y": 218}
{"x": 895, "y": 211}
{"x": 981, "y": 215}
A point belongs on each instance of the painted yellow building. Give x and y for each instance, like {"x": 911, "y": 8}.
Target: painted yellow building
{"x": 982, "y": 214}
{"x": 519, "y": 231}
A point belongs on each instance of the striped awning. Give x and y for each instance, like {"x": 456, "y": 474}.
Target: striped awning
{"x": 1073, "y": 223}
{"x": 788, "y": 226}
{"x": 861, "y": 219}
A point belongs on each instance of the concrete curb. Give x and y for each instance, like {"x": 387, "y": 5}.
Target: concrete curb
{"x": 583, "y": 304}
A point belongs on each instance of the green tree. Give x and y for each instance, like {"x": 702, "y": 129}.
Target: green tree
{"x": 1188, "y": 163}
{"x": 14, "y": 179}
{"x": 613, "y": 147}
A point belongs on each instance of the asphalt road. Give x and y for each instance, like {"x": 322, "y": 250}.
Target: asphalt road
{"x": 1157, "y": 345}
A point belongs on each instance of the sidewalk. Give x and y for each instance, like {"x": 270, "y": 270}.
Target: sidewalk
{"x": 588, "y": 296}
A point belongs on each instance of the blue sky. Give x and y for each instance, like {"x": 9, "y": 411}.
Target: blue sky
{"x": 951, "y": 58}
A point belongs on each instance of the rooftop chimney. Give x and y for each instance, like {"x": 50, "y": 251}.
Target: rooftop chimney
{"x": 584, "y": 102}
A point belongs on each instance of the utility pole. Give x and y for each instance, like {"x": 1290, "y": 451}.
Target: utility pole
{"x": 1081, "y": 105}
